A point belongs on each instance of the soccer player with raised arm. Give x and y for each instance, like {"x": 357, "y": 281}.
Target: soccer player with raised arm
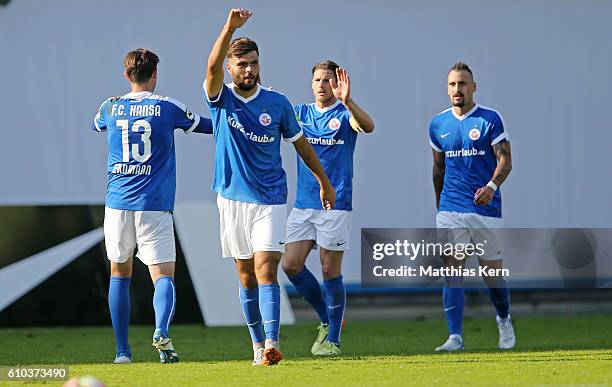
{"x": 472, "y": 158}
{"x": 248, "y": 122}
{"x": 331, "y": 125}
{"x": 140, "y": 195}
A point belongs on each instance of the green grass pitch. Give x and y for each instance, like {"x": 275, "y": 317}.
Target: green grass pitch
{"x": 550, "y": 351}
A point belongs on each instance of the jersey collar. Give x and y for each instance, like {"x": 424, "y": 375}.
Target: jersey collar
{"x": 330, "y": 107}
{"x": 466, "y": 115}
{"x": 137, "y": 95}
{"x": 245, "y": 100}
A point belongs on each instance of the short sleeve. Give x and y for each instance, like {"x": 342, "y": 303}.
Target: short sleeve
{"x": 433, "y": 141}
{"x": 182, "y": 117}
{"x": 498, "y": 132}
{"x": 217, "y": 100}
{"x": 99, "y": 121}
{"x": 289, "y": 125}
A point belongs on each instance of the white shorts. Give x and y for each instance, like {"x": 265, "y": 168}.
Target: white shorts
{"x": 331, "y": 229}
{"x": 151, "y": 231}
{"x": 250, "y": 227}
{"x": 460, "y": 227}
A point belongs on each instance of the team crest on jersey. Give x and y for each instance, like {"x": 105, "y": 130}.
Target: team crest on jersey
{"x": 190, "y": 116}
{"x": 265, "y": 119}
{"x": 334, "y": 123}
{"x": 474, "y": 134}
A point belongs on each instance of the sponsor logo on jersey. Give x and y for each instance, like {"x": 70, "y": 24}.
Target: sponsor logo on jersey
{"x": 250, "y": 135}
{"x": 474, "y": 134}
{"x": 265, "y": 119}
{"x": 334, "y": 123}
{"x": 190, "y": 116}
{"x": 325, "y": 141}
{"x": 464, "y": 153}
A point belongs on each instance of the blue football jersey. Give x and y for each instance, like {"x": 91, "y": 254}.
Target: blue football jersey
{"x": 333, "y": 139}
{"x": 470, "y": 161}
{"x": 247, "y": 131}
{"x": 141, "y": 159}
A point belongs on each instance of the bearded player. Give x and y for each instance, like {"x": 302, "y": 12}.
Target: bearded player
{"x": 249, "y": 122}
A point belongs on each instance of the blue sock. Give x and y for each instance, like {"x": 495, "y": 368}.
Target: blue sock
{"x": 269, "y": 305}
{"x": 335, "y": 298}
{"x": 249, "y": 298}
{"x": 164, "y": 302}
{"x": 307, "y": 285}
{"x": 119, "y": 305}
{"x": 500, "y": 296}
{"x": 453, "y": 301}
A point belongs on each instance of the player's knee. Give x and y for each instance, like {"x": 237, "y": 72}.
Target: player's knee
{"x": 266, "y": 267}
{"x": 292, "y": 268}
{"x": 267, "y": 275}
{"x": 248, "y": 280}
{"x": 121, "y": 270}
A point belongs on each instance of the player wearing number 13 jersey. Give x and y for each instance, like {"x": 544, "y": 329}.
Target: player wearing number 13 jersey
{"x": 140, "y": 195}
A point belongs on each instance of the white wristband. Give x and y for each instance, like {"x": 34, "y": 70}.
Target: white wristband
{"x": 492, "y": 185}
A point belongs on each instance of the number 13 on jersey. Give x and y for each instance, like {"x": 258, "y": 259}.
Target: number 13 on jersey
{"x": 144, "y": 128}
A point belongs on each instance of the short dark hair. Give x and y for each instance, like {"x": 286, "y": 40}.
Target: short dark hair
{"x": 140, "y": 64}
{"x": 326, "y": 65}
{"x": 462, "y": 66}
{"x": 241, "y": 46}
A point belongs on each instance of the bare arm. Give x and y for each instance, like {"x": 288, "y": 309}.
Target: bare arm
{"x": 504, "y": 162}
{"x": 439, "y": 168}
{"x": 214, "y": 71}
{"x": 504, "y": 165}
{"x": 360, "y": 120}
{"x": 308, "y": 155}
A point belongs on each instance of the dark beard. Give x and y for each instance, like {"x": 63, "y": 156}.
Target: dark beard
{"x": 246, "y": 87}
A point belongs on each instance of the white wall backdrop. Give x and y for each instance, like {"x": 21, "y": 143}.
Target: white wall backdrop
{"x": 545, "y": 65}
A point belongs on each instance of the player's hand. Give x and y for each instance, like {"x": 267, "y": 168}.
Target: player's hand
{"x": 237, "y": 17}
{"x": 341, "y": 88}
{"x": 483, "y": 196}
{"x": 328, "y": 197}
